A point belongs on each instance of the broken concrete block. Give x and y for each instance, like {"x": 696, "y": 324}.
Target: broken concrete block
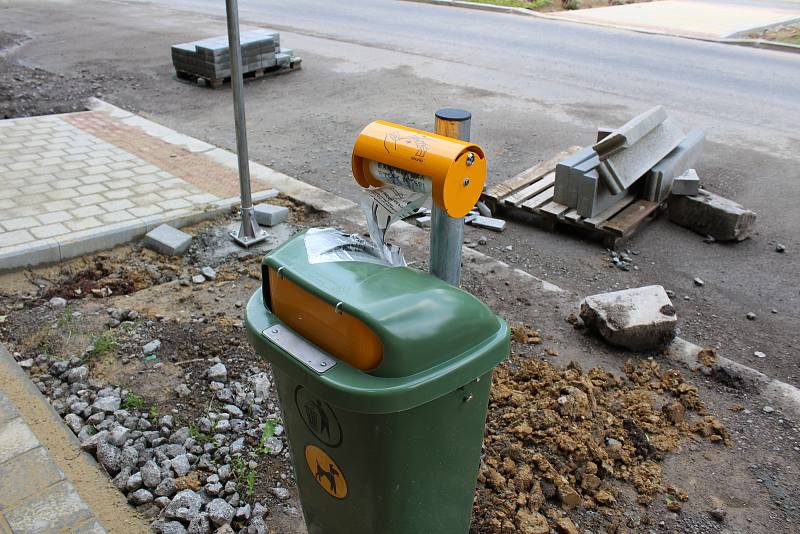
{"x": 659, "y": 180}
{"x": 489, "y": 223}
{"x": 712, "y": 215}
{"x": 167, "y": 240}
{"x": 687, "y": 184}
{"x": 626, "y": 165}
{"x": 270, "y": 215}
{"x": 424, "y": 221}
{"x": 641, "y": 318}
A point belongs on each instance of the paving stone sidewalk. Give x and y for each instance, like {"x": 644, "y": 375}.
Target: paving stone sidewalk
{"x": 76, "y": 183}
{"x": 35, "y": 496}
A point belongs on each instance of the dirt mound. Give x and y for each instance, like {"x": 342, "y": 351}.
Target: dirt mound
{"x": 559, "y": 439}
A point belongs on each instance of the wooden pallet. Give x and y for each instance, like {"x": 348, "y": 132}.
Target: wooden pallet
{"x": 529, "y": 196}
{"x": 214, "y": 83}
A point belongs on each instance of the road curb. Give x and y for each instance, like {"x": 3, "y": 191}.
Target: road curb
{"x": 686, "y": 352}
{"x": 751, "y": 43}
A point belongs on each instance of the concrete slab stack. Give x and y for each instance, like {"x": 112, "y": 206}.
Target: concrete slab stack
{"x": 641, "y": 159}
{"x": 210, "y": 58}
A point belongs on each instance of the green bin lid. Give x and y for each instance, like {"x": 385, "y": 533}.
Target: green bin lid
{"x": 428, "y": 327}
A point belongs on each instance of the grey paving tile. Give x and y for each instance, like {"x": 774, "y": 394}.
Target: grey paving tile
{"x": 56, "y": 510}
{"x": 15, "y": 439}
{"x": 26, "y": 475}
{"x": 7, "y": 409}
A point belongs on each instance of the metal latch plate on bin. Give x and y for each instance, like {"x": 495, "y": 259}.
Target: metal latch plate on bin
{"x": 299, "y": 348}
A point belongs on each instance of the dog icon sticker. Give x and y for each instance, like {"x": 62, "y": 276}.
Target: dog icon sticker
{"x": 326, "y": 472}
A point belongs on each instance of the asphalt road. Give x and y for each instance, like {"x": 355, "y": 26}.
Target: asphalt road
{"x": 744, "y": 97}
{"x": 534, "y": 87}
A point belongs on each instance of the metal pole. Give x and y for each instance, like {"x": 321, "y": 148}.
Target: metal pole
{"x": 447, "y": 233}
{"x": 249, "y": 232}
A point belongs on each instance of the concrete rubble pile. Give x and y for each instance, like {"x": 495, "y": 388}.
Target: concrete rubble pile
{"x": 210, "y": 58}
{"x": 643, "y": 158}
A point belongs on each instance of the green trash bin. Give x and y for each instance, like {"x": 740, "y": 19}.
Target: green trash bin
{"x": 383, "y": 375}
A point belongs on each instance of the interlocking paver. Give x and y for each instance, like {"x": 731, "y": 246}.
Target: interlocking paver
{"x": 15, "y": 439}
{"x": 69, "y": 177}
{"x": 25, "y": 475}
{"x": 56, "y": 510}
{"x": 49, "y": 230}
{"x": 17, "y": 237}
{"x": 19, "y": 223}
{"x": 54, "y": 217}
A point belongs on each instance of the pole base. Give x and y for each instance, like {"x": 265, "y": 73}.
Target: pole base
{"x": 249, "y": 232}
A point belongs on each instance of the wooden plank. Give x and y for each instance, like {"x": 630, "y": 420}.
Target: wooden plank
{"x": 554, "y": 209}
{"x": 625, "y": 222}
{"x": 540, "y": 199}
{"x": 606, "y": 214}
{"x": 534, "y": 189}
{"x": 498, "y": 192}
{"x": 572, "y": 216}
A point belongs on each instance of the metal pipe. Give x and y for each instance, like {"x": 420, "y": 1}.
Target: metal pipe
{"x": 447, "y": 233}
{"x": 249, "y": 232}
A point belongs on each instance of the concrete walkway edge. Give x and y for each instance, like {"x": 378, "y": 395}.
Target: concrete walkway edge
{"x": 751, "y": 43}
{"x": 90, "y": 481}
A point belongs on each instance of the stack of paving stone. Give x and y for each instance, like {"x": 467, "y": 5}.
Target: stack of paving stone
{"x": 210, "y": 58}
{"x": 649, "y": 157}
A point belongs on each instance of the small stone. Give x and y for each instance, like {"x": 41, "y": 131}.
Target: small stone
{"x": 181, "y": 465}
{"x": 90, "y": 444}
{"x": 509, "y": 248}
{"x": 74, "y": 422}
{"x": 78, "y": 374}
{"x": 118, "y": 435}
{"x": 220, "y": 512}
{"x": 106, "y": 404}
{"x": 198, "y": 279}
{"x": 184, "y": 506}
{"x": 151, "y": 474}
{"x": 168, "y": 527}
{"x": 152, "y": 346}
{"x": 218, "y": 373}
{"x": 768, "y": 409}
{"x": 759, "y": 354}
{"x": 26, "y": 364}
{"x": 141, "y": 496}
{"x": 699, "y": 282}
{"x": 274, "y": 445}
{"x": 214, "y": 489}
{"x": 209, "y": 273}
{"x": 200, "y": 524}
{"x": 718, "y": 514}
{"x": 166, "y": 488}
{"x": 183, "y": 391}
{"x": 780, "y": 248}
{"x": 134, "y": 482}
{"x": 281, "y": 493}
{"x": 57, "y": 302}
{"x": 751, "y": 316}
{"x": 161, "y": 502}
{"x": 110, "y": 457}
{"x": 482, "y": 240}
{"x": 233, "y": 410}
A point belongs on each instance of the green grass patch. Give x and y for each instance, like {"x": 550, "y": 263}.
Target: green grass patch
{"x": 266, "y": 432}
{"x": 132, "y": 401}
{"x": 533, "y": 4}
{"x": 198, "y": 436}
{"x": 792, "y": 39}
{"x": 245, "y": 476}
{"x": 104, "y": 344}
